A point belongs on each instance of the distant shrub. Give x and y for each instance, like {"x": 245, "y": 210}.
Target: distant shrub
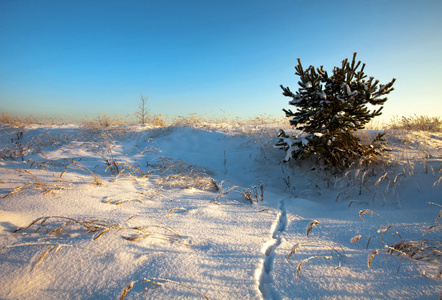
{"x": 157, "y": 120}
{"x": 330, "y": 109}
{"x": 420, "y": 123}
{"x": 103, "y": 121}
{"x": 14, "y": 121}
{"x": 7, "y": 119}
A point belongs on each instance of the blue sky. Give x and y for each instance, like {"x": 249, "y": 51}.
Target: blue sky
{"x": 82, "y": 58}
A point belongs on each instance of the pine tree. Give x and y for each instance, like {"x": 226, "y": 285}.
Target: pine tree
{"x": 330, "y": 109}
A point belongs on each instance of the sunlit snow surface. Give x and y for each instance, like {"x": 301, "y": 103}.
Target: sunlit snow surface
{"x": 197, "y": 239}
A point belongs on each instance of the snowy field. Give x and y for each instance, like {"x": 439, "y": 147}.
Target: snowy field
{"x": 212, "y": 213}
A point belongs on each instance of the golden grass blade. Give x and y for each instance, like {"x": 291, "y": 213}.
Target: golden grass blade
{"x": 108, "y": 200}
{"x": 383, "y": 229}
{"x": 58, "y": 248}
{"x": 294, "y": 249}
{"x": 371, "y": 256}
{"x": 437, "y": 182}
{"x": 365, "y": 211}
{"x": 439, "y": 216}
{"x": 57, "y": 229}
{"x": 171, "y": 210}
{"x": 24, "y": 245}
{"x": 16, "y": 190}
{"x": 29, "y": 172}
{"x": 101, "y": 233}
{"x": 32, "y": 223}
{"x": 126, "y": 290}
{"x": 127, "y": 201}
{"x": 43, "y": 255}
{"x": 355, "y": 239}
{"x": 310, "y": 227}
{"x": 97, "y": 180}
{"x": 430, "y": 228}
{"x": 134, "y": 238}
{"x": 298, "y": 269}
{"x": 151, "y": 281}
{"x": 120, "y": 173}
{"x": 134, "y": 216}
{"x": 380, "y": 179}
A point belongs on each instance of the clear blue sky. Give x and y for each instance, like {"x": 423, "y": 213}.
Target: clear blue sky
{"x": 82, "y": 58}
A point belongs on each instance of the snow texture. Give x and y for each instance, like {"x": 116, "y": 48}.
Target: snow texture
{"x": 189, "y": 238}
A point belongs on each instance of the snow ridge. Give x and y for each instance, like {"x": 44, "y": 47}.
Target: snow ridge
{"x": 266, "y": 278}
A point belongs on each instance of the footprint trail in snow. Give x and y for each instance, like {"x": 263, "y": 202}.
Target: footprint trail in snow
{"x": 266, "y": 278}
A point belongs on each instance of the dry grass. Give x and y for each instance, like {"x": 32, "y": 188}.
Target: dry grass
{"x": 21, "y": 145}
{"x": 253, "y": 195}
{"x": 419, "y": 123}
{"x": 297, "y": 246}
{"x": 103, "y": 121}
{"x": 417, "y": 251}
{"x": 178, "y": 173}
{"x": 36, "y": 183}
{"x": 428, "y": 251}
{"x": 14, "y": 121}
{"x": 298, "y": 269}
{"x": 294, "y": 249}
{"x": 118, "y": 168}
{"x": 158, "y": 282}
{"x": 383, "y": 179}
{"x": 157, "y": 121}
{"x": 176, "y": 208}
{"x": 314, "y": 223}
{"x": 58, "y": 225}
{"x": 225, "y": 191}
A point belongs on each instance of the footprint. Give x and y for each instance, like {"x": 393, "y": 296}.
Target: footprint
{"x": 266, "y": 278}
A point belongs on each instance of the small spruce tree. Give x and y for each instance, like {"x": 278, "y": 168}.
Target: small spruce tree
{"x": 330, "y": 109}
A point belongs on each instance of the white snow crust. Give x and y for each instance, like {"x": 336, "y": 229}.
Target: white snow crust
{"x": 206, "y": 242}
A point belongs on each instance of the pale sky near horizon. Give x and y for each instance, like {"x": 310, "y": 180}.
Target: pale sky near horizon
{"x": 82, "y": 58}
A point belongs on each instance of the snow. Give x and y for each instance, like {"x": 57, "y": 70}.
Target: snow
{"x": 154, "y": 221}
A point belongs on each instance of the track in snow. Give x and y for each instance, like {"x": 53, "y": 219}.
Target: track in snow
{"x": 266, "y": 278}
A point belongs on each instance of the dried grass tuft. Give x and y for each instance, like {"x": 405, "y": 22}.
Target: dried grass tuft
{"x": 428, "y": 251}
{"x": 371, "y": 256}
{"x": 180, "y": 174}
{"x": 298, "y": 269}
{"x": 176, "y": 208}
{"x": 252, "y": 195}
{"x": 315, "y": 223}
{"x": 420, "y": 123}
{"x": 355, "y": 239}
{"x": 158, "y": 282}
{"x": 365, "y": 211}
{"x": 57, "y": 225}
{"x": 418, "y": 250}
{"x": 127, "y": 289}
{"x": 294, "y": 249}
{"x": 310, "y": 227}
